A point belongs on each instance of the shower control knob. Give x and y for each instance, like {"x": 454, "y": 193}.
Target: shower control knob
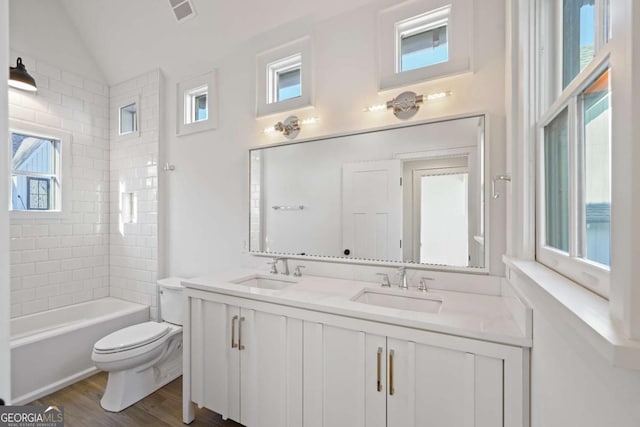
{"x": 347, "y": 251}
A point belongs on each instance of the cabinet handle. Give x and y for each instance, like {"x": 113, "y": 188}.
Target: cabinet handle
{"x": 379, "y": 356}
{"x": 240, "y": 345}
{"x": 391, "y": 389}
{"x": 233, "y": 332}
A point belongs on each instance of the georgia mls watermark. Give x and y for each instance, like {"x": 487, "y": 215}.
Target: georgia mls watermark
{"x": 31, "y": 416}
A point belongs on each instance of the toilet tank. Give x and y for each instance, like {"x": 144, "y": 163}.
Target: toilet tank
{"x": 171, "y": 300}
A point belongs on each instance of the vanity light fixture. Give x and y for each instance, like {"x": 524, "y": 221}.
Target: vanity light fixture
{"x": 20, "y": 79}
{"x": 406, "y": 105}
{"x": 290, "y": 127}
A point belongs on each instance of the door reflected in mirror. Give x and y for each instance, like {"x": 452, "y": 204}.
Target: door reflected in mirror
{"x": 410, "y": 194}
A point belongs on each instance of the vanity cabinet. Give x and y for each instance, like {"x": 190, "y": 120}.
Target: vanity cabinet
{"x": 246, "y": 364}
{"x": 353, "y": 378}
{"x": 265, "y": 364}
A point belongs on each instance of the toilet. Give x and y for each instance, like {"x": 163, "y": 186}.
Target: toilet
{"x": 144, "y": 357}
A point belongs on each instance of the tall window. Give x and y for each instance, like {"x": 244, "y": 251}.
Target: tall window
{"x": 35, "y": 173}
{"x": 574, "y": 212}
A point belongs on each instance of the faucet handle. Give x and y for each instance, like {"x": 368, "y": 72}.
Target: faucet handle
{"x": 423, "y": 283}
{"x": 274, "y": 266}
{"x": 385, "y": 279}
{"x": 297, "y": 272}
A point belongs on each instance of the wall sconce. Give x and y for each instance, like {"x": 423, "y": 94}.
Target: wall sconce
{"x": 20, "y": 79}
{"x": 290, "y": 127}
{"x": 407, "y": 104}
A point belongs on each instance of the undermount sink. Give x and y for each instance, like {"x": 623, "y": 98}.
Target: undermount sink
{"x": 413, "y": 302}
{"x": 263, "y": 282}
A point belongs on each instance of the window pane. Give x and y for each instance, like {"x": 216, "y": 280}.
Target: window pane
{"x": 597, "y": 169}
{"x": 32, "y": 154}
{"x": 128, "y": 119}
{"x": 289, "y": 85}
{"x": 423, "y": 49}
{"x": 556, "y": 178}
{"x": 578, "y": 37}
{"x": 200, "y": 107}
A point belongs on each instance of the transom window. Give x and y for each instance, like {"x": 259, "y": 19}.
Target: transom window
{"x": 574, "y": 204}
{"x": 196, "y": 105}
{"x": 284, "y": 79}
{"x": 422, "y": 40}
{"x": 35, "y": 173}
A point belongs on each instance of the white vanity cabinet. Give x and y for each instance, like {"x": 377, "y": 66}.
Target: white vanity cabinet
{"x": 245, "y": 364}
{"x": 356, "y": 378}
{"x": 265, "y": 364}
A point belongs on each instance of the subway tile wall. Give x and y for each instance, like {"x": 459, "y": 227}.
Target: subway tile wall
{"x": 134, "y": 173}
{"x": 61, "y": 261}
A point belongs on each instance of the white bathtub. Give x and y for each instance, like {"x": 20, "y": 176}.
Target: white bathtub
{"x": 52, "y": 349}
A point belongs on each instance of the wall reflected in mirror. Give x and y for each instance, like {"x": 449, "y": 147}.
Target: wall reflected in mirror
{"x": 409, "y": 194}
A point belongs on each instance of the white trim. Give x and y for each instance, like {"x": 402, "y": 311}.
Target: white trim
{"x": 586, "y": 313}
{"x": 185, "y": 90}
{"x": 63, "y": 210}
{"x": 266, "y": 60}
{"x": 459, "y": 40}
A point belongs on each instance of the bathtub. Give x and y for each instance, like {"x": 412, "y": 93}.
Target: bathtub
{"x": 52, "y": 349}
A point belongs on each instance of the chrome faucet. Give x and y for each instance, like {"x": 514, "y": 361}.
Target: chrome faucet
{"x": 274, "y": 266}
{"x": 402, "y": 271}
{"x": 285, "y": 265}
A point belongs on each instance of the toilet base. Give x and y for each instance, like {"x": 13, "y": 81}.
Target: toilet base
{"x": 126, "y": 387}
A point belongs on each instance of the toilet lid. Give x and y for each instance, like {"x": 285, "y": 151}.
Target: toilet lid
{"x": 132, "y": 336}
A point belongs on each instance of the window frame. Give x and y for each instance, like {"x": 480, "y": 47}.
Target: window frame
{"x": 275, "y": 69}
{"x": 421, "y": 24}
{"x": 186, "y": 92}
{"x": 264, "y": 78}
{"x": 551, "y": 101}
{"x": 62, "y": 205}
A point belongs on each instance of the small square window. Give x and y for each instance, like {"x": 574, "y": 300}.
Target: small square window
{"x": 35, "y": 173}
{"x": 129, "y": 119}
{"x": 422, "y": 40}
{"x": 284, "y": 79}
{"x": 196, "y": 105}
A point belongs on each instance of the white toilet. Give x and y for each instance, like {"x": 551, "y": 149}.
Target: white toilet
{"x": 142, "y": 358}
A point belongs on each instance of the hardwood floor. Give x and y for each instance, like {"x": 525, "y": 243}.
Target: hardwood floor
{"x": 81, "y": 403}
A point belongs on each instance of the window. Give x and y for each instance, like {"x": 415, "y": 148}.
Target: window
{"x": 423, "y": 40}
{"x": 198, "y": 110}
{"x": 284, "y": 76}
{"x": 35, "y": 173}
{"x": 196, "y": 106}
{"x": 129, "y": 119}
{"x": 574, "y": 212}
{"x": 285, "y": 79}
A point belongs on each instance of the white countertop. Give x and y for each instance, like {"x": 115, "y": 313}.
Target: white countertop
{"x": 483, "y": 317}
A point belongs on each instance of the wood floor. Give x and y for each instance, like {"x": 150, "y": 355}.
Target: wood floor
{"x": 81, "y": 403}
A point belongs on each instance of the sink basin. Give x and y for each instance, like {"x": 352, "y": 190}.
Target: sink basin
{"x": 413, "y": 302}
{"x": 263, "y": 282}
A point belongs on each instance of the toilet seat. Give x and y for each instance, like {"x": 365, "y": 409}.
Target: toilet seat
{"x": 132, "y": 337}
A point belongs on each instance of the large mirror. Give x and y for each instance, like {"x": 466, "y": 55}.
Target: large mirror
{"x": 412, "y": 194}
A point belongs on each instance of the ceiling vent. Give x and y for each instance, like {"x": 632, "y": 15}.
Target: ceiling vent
{"x": 182, "y": 9}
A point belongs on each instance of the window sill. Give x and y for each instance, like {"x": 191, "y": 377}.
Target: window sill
{"x": 581, "y": 309}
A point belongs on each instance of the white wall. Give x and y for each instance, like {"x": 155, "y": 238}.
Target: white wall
{"x": 207, "y": 198}
{"x": 133, "y": 246}
{"x": 5, "y": 362}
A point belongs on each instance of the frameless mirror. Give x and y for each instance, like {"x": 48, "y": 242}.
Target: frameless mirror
{"x": 129, "y": 119}
{"x": 410, "y": 194}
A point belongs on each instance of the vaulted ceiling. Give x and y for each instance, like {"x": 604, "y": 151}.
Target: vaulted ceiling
{"x": 128, "y": 37}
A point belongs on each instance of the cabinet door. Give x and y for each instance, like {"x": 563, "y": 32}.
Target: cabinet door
{"x": 271, "y": 370}
{"x": 437, "y": 387}
{"x": 215, "y": 364}
{"x": 340, "y": 367}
